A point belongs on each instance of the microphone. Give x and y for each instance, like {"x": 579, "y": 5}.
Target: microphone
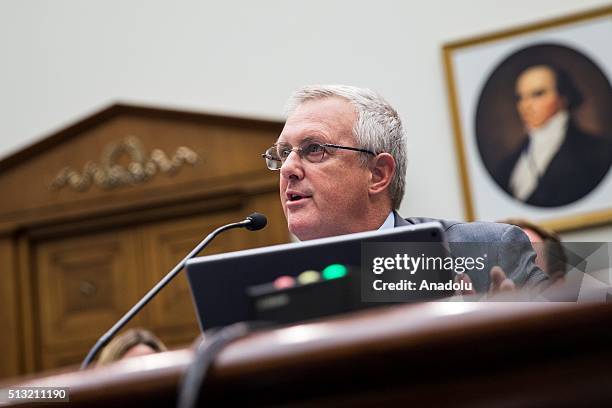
{"x": 253, "y": 222}
{"x": 258, "y": 221}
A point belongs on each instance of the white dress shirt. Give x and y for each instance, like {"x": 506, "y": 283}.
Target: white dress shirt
{"x": 544, "y": 143}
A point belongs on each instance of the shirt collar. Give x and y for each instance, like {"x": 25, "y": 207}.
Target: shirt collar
{"x": 547, "y": 140}
{"x": 389, "y": 222}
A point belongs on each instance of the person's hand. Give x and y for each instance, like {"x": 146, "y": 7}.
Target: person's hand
{"x": 463, "y": 277}
{"x": 500, "y": 283}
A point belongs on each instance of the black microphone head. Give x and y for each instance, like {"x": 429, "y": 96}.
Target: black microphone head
{"x": 258, "y": 221}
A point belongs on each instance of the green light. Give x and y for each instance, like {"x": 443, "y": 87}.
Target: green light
{"x": 334, "y": 271}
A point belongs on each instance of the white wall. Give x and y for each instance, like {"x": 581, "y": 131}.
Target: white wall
{"x": 64, "y": 59}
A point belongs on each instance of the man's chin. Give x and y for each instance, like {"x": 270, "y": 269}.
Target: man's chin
{"x": 305, "y": 232}
{"x": 304, "y": 229}
{"x": 300, "y": 232}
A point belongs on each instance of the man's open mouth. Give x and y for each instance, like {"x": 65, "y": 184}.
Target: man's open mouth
{"x": 296, "y": 197}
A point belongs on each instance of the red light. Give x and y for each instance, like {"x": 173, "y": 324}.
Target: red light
{"x": 283, "y": 282}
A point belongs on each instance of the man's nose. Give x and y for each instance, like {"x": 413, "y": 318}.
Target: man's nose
{"x": 292, "y": 167}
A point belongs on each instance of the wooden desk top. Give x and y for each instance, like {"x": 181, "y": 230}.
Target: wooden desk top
{"x": 439, "y": 353}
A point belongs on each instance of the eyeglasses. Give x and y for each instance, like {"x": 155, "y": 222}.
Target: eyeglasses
{"x": 313, "y": 152}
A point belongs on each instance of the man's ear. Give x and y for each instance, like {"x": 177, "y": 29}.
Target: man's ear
{"x": 382, "y": 168}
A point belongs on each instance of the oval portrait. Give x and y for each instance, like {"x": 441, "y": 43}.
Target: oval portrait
{"x": 544, "y": 125}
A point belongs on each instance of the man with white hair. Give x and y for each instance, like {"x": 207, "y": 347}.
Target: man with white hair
{"x": 342, "y": 162}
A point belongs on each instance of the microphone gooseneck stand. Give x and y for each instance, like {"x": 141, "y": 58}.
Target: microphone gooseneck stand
{"x": 253, "y": 222}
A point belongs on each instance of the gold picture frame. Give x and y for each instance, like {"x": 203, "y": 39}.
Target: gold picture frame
{"x": 482, "y": 75}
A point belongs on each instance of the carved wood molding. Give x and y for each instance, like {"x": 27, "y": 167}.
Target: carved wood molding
{"x": 109, "y": 174}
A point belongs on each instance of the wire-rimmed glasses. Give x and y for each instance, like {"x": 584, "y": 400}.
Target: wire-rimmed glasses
{"x": 311, "y": 151}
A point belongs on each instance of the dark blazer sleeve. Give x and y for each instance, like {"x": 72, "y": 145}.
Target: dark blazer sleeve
{"x": 517, "y": 258}
{"x": 507, "y": 245}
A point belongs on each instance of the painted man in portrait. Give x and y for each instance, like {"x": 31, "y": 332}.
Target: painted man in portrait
{"x": 558, "y": 163}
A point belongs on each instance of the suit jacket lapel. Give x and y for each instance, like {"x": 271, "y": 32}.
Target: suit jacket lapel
{"x": 399, "y": 221}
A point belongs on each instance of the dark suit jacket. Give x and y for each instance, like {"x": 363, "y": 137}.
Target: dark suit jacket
{"x": 576, "y": 169}
{"x": 506, "y": 246}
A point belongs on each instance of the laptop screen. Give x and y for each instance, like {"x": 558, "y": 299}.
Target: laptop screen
{"x": 220, "y": 283}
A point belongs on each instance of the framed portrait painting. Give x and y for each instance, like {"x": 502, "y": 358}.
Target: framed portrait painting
{"x": 532, "y": 116}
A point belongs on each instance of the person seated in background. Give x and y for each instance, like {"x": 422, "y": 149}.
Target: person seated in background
{"x": 550, "y": 256}
{"x": 341, "y": 158}
{"x": 132, "y": 343}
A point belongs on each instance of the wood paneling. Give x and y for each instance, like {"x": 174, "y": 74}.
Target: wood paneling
{"x": 9, "y": 335}
{"x": 167, "y": 243}
{"x": 73, "y": 262}
{"x": 26, "y": 303}
{"x": 172, "y": 313}
{"x": 228, "y": 151}
{"x": 84, "y": 283}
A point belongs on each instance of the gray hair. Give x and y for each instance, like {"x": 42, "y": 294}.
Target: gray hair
{"x": 378, "y": 127}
